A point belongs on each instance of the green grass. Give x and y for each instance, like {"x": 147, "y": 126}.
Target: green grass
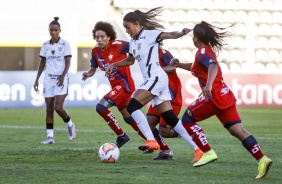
{"x": 24, "y": 160}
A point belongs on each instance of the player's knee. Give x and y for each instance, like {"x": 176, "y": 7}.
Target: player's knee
{"x": 133, "y": 105}
{"x": 100, "y": 108}
{"x": 188, "y": 117}
{"x": 170, "y": 118}
{"x": 128, "y": 120}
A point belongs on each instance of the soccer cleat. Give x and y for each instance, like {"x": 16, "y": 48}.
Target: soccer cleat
{"x": 263, "y": 166}
{"x": 72, "y": 133}
{"x": 122, "y": 140}
{"x": 49, "y": 140}
{"x": 149, "y": 145}
{"x": 197, "y": 155}
{"x": 207, "y": 157}
{"x": 164, "y": 155}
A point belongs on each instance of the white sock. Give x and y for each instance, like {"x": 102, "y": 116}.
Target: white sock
{"x": 69, "y": 124}
{"x": 50, "y": 132}
{"x": 179, "y": 128}
{"x": 143, "y": 124}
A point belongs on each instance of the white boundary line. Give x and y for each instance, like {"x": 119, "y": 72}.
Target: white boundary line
{"x": 84, "y": 130}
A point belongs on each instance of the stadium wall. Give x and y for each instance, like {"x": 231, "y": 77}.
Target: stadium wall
{"x": 16, "y": 89}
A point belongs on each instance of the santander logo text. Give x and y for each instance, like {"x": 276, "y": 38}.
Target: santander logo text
{"x": 254, "y": 90}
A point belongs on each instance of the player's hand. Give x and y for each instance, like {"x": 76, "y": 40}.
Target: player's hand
{"x": 85, "y": 76}
{"x": 35, "y": 86}
{"x": 174, "y": 62}
{"x": 109, "y": 69}
{"x": 185, "y": 31}
{"x": 206, "y": 92}
{"x": 60, "y": 80}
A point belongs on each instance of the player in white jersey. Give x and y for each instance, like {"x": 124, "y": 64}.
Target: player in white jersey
{"x": 143, "y": 29}
{"x": 55, "y": 55}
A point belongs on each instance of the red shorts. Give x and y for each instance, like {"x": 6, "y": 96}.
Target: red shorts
{"x": 153, "y": 112}
{"x": 118, "y": 97}
{"x": 201, "y": 109}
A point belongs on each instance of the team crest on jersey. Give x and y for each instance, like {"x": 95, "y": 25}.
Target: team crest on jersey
{"x": 60, "y": 49}
{"x": 53, "y": 52}
{"x": 139, "y": 46}
{"x": 110, "y": 57}
{"x": 112, "y": 93}
{"x": 193, "y": 103}
{"x": 224, "y": 91}
{"x": 189, "y": 112}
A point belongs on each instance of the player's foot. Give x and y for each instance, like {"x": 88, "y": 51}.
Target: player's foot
{"x": 122, "y": 140}
{"x": 49, "y": 140}
{"x": 207, "y": 157}
{"x": 149, "y": 145}
{"x": 197, "y": 155}
{"x": 263, "y": 166}
{"x": 164, "y": 155}
{"x": 72, "y": 133}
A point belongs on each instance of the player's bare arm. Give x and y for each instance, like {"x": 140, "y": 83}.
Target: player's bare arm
{"x": 174, "y": 34}
{"x": 62, "y": 76}
{"x": 175, "y": 62}
{"x": 40, "y": 70}
{"x": 125, "y": 62}
{"x": 169, "y": 68}
{"x": 89, "y": 73}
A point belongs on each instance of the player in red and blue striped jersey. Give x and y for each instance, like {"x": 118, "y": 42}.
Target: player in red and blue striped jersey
{"x": 109, "y": 50}
{"x": 216, "y": 98}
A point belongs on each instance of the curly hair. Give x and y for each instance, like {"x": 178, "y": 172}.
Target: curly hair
{"x": 106, "y": 27}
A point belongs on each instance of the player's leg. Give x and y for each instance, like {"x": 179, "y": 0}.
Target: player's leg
{"x": 171, "y": 119}
{"x": 49, "y": 121}
{"x": 139, "y": 99}
{"x": 60, "y": 93}
{"x": 232, "y": 122}
{"x": 112, "y": 99}
{"x": 59, "y": 108}
{"x": 197, "y": 111}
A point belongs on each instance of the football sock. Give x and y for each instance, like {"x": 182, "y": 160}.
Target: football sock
{"x": 183, "y": 133}
{"x": 253, "y": 147}
{"x": 134, "y": 125}
{"x": 50, "y": 129}
{"x": 198, "y": 135}
{"x": 143, "y": 125}
{"x": 160, "y": 140}
{"x": 110, "y": 119}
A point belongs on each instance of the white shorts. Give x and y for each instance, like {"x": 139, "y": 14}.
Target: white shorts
{"x": 158, "y": 86}
{"x": 50, "y": 87}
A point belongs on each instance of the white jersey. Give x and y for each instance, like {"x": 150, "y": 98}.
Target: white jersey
{"x": 55, "y": 55}
{"x": 144, "y": 49}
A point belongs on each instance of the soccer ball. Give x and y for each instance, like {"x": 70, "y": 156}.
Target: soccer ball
{"x": 108, "y": 153}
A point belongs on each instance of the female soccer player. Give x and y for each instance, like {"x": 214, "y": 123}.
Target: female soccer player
{"x": 109, "y": 50}
{"x": 154, "y": 117}
{"x": 216, "y": 98}
{"x": 143, "y": 29}
{"x": 56, "y": 57}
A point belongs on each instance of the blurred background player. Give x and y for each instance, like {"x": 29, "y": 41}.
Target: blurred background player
{"x": 56, "y": 57}
{"x": 154, "y": 117}
{"x": 216, "y": 98}
{"x": 143, "y": 28}
{"x": 109, "y": 50}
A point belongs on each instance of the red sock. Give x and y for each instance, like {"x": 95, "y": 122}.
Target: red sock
{"x": 160, "y": 140}
{"x": 253, "y": 147}
{"x": 134, "y": 125}
{"x": 111, "y": 120}
{"x": 198, "y": 136}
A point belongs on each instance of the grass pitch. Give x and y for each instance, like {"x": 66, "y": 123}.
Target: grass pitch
{"x": 24, "y": 160}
